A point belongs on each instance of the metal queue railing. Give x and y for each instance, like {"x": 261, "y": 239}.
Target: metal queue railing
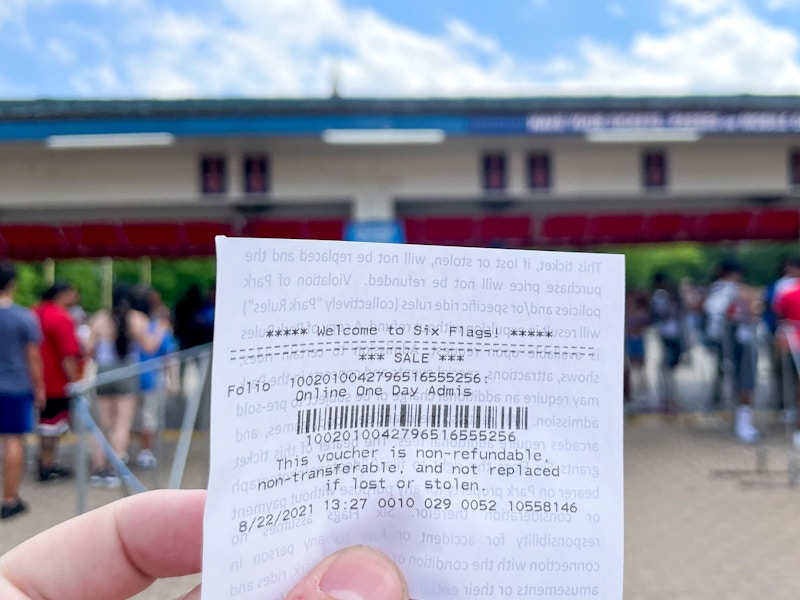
{"x": 711, "y": 374}
{"x": 723, "y": 386}
{"x": 788, "y": 331}
{"x": 786, "y": 339}
{"x": 86, "y": 427}
{"x": 790, "y": 366}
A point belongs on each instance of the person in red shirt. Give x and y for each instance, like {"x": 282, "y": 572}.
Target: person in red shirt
{"x": 61, "y": 355}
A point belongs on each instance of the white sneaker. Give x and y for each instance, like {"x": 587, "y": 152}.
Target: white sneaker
{"x": 98, "y": 477}
{"x": 105, "y": 478}
{"x": 796, "y": 439}
{"x": 745, "y": 430}
{"x": 146, "y": 459}
{"x": 112, "y": 480}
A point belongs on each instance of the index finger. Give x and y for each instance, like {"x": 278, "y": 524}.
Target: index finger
{"x": 110, "y": 553}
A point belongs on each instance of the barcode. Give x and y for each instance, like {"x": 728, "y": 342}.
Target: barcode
{"x": 460, "y": 416}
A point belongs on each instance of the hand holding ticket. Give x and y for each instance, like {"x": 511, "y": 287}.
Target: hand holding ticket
{"x": 457, "y": 409}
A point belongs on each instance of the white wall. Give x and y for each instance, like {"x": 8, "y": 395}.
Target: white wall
{"x": 723, "y": 164}
{"x": 94, "y": 177}
{"x": 581, "y": 169}
{"x": 306, "y": 170}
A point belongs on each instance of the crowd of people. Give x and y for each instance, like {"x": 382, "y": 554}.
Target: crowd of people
{"x": 54, "y": 344}
{"x": 46, "y": 348}
{"x": 730, "y": 320}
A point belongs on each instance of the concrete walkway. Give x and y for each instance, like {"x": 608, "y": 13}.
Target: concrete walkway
{"x": 54, "y": 502}
{"x": 701, "y": 521}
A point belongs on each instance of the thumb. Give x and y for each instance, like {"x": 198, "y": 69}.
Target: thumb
{"x": 355, "y": 573}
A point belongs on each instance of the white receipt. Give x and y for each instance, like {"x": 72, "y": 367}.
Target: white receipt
{"x": 460, "y": 409}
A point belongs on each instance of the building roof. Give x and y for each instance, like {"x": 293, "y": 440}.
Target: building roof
{"x": 32, "y": 120}
{"x": 65, "y": 109}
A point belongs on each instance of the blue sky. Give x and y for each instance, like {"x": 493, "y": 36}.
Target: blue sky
{"x": 289, "y": 48}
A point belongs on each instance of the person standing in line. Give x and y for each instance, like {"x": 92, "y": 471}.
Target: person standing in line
{"x": 61, "y": 356}
{"x": 205, "y": 318}
{"x": 773, "y": 295}
{"x": 637, "y": 319}
{"x": 692, "y": 301}
{"x": 786, "y": 306}
{"x": 21, "y": 386}
{"x": 731, "y": 332}
{"x": 115, "y": 336}
{"x": 187, "y": 310}
{"x": 153, "y": 383}
{"x": 666, "y": 315}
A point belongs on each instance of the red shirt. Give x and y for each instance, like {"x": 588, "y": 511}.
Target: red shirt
{"x": 58, "y": 342}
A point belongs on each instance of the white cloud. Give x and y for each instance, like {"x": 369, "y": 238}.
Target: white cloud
{"x": 287, "y": 47}
{"x": 59, "y": 52}
{"x": 730, "y": 50}
{"x": 615, "y": 9}
{"x": 15, "y": 10}
{"x": 702, "y": 7}
{"x": 11, "y": 89}
{"x": 93, "y": 38}
{"x": 706, "y": 47}
{"x": 782, "y": 4}
{"x": 399, "y": 60}
{"x": 98, "y": 82}
{"x": 462, "y": 33}
{"x": 12, "y": 10}
{"x": 126, "y": 4}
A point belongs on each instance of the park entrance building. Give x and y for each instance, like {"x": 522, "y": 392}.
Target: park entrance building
{"x": 162, "y": 178}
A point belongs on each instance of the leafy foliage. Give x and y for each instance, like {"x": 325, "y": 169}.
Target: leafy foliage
{"x": 170, "y": 277}
{"x": 761, "y": 260}
{"x": 173, "y": 277}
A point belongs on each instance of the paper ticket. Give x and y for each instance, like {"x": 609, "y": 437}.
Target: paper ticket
{"x": 460, "y": 409}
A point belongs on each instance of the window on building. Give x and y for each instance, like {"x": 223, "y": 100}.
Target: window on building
{"x": 539, "y": 171}
{"x": 494, "y": 172}
{"x": 794, "y": 167}
{"x": 256, "y": 174}
{"x": 654, "y": 169}
{"x": 212, "y": 175}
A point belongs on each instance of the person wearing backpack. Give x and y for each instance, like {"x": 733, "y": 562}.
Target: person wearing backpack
{"x": 730, "y": 331}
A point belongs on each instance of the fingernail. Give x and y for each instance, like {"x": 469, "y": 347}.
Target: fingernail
{"x": 363, "y": 574}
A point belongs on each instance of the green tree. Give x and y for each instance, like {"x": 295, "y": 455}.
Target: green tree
{"x": 173, "y": 277}
{"x": 30, "y": 283}
{"x": 677, "y": 260}
{"x": 761, "y": 260}
{"x": 86, "y": 276}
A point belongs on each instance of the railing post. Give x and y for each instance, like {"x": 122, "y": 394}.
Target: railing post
{"x": 187, "y": 427}
{"x": 81, "y": 467}
{"x": 86, "y": 428}
{"x": 786, "y": 401}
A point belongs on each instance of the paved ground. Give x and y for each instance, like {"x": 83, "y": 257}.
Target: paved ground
{"x": 55, "y": 502}
{"x": 701, "y": 522}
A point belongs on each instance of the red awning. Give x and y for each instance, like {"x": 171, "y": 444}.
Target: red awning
{"x": 34, "y": 241}
{"x": 564, "y": 230}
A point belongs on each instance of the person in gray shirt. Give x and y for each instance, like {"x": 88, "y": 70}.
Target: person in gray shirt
{"x": 21, "y": 386}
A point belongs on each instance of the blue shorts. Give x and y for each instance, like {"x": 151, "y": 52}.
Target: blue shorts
{"x": 634, "y": 346}
{"x": 16, "y": 413}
